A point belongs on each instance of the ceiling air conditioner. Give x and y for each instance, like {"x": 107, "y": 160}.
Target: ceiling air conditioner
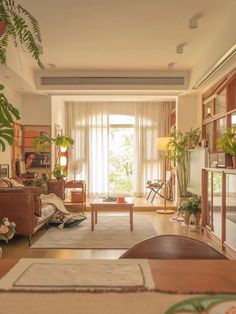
{"x": 54, "y": 81}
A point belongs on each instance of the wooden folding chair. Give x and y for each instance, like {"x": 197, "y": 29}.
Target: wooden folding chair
{"x": 158, "y": 186}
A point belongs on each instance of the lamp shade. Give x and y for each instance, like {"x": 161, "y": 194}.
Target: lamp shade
{"x": 162, "y": 143}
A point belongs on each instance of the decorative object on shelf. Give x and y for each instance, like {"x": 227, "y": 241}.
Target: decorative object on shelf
{"x": 227, "y": 143}
{"x": 163, "y": 145}
{"x": 75, "y": 167}
{"x": 62, "y": 143}
{"x": 7, "y": 229}
{"x": 191, "y": 206}
{"x": 4, "y": 171}
{"x": 180, "y": 143}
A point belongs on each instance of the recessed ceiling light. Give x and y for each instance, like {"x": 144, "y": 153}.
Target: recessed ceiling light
{"x": 171, "y": 65}
{"x": 51, "y": 65}
{"x": 193, "y": 22}
{"x": 180, "y": 48}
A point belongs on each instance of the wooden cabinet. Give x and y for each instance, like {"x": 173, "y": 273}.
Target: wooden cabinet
{"x": 41, "y": 162}
{"x": 219, "y": 207}
{"x": 77, "y": 195}
{"x": 219, "y": 110}
{"x": 17, "y": 148}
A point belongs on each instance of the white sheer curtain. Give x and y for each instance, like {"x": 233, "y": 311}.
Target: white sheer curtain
{"x": 151, "y": 121}
{"x": 87, "y": 123}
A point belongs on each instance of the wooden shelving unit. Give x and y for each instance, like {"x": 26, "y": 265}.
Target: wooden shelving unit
{"x": 219, "y": 110}
{"x": 17, "y": 147}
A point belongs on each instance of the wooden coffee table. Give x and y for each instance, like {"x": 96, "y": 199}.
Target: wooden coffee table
{"x": 100, "y": 205}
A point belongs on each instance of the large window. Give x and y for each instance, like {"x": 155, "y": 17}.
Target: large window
{"x": 121, "y": 154}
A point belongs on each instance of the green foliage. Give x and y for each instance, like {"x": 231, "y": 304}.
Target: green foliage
{"x": 22, "y": 28}
{"x": 42, "y": 142}
{"x": 178, "y": 152}
{"x": 121, "y": 161}
{"x": 7, "y": 115}
{"x": 191, "y": 205}
{"x": 227, "y": 142}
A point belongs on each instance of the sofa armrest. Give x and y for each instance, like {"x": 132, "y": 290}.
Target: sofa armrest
{"x": 19, "y": 207}
{"x": 33, "y": 191}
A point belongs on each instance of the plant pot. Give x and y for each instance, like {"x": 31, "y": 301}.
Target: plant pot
{"x": 187, "y": 216}
{"x": 3, "y": 29}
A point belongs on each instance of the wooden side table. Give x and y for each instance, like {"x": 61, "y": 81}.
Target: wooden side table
{"x": 100, "y": 205}
{"x": 78, "y": 195}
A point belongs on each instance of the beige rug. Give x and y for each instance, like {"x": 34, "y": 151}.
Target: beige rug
{"x": 111, "y": 232}
{"x": 78, "y": 275}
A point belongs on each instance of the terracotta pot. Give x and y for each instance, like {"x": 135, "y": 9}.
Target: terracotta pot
{"x": 187, "y": 216}
{"x": 3, "y": 28}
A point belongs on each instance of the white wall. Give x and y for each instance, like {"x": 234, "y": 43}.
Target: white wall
{"x": 16, "y": 100}
{"x": 188, "y": 112}
{"x": 36, "y": 110}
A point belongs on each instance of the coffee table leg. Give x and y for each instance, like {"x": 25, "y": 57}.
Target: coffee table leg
{"x": 131, "y": 218}
{"x": 92, "y": 218}
{"x": 96, "y": 216}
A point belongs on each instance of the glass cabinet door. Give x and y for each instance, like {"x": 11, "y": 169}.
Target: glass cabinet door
{"x": 217, "y": 201}
{"x": 220, "y": 102}
{"x": 231, "y": 210}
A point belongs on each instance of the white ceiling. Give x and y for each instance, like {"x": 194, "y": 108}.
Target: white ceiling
{"x": 130, "y": 35}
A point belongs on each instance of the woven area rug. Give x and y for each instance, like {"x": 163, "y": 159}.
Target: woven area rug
{"x": 78, "y": 275}
{"x": 111, "y": 232}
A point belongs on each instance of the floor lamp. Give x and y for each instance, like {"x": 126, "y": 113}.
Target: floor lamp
{"x": 162, "y": 145}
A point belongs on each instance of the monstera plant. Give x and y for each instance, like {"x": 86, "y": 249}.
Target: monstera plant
{"x": 18, "y": 26}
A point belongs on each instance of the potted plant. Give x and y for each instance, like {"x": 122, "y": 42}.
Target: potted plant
{"x": 7, "y": 231}
{"x": 20, "y": 27}
{"x": 178, "y": 153}
{"x": 227, "y": 143}
{"x": 191, "y": 205}
{"x": 62, "y": 142}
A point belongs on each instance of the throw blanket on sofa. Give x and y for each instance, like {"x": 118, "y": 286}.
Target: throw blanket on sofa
{"x": 64, "y": 215}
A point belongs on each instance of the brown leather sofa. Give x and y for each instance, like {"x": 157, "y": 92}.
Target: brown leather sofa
{"x": 23, "y": 206}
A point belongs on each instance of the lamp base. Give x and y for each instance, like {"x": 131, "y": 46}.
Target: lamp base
{"x": 165, "y": 211}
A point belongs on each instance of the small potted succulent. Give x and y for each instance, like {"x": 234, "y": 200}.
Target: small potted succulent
{"x": 191, "y": 205}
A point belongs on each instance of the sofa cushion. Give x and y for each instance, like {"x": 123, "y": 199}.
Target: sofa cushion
{"x": 47, "y": 211}
{"x": 3, "y": 183}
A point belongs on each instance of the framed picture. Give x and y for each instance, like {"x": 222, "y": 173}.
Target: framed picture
{"x": 4, "y": 171}
{"x": 37, "y": 160}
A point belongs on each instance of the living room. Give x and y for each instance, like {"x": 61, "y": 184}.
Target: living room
{"x": 176, "y": 73}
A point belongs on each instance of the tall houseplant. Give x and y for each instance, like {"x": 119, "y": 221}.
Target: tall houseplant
{"x": 178, "y": 152}
{"x": 20, "y": 27}
{"x": 227, "y": 143}
{"x": 42, "y": 142}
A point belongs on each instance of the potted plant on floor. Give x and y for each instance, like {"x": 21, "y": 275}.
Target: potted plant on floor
{"x": 191, "y": 205}
{"x": 227, "y": 143}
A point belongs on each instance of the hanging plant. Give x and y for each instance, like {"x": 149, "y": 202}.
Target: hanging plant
{"x": 19, "y": 26}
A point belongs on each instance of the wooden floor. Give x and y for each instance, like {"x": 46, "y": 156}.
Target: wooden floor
{"x": 18, "y": 246}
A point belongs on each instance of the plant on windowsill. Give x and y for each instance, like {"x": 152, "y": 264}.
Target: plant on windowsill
{"x": 227, "y": 143}
{"x": 18, "y": 26}
{"x": 42, "y": 142}
{"x": 178, "y": 153}
{"x": 191, "y": 205}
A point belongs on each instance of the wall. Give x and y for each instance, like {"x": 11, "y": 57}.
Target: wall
{"x": 188, "y": 112}
{"x": 16, "y": 100}
{"x": 36, "y": 110}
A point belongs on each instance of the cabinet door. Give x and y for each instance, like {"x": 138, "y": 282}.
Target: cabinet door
{"x": 217, "y": 201}
{"x": 230, "y": 222}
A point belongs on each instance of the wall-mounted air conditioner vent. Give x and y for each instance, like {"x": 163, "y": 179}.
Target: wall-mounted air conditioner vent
{"x": 48, "y": 81}
{"x": 62, "y": 80}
